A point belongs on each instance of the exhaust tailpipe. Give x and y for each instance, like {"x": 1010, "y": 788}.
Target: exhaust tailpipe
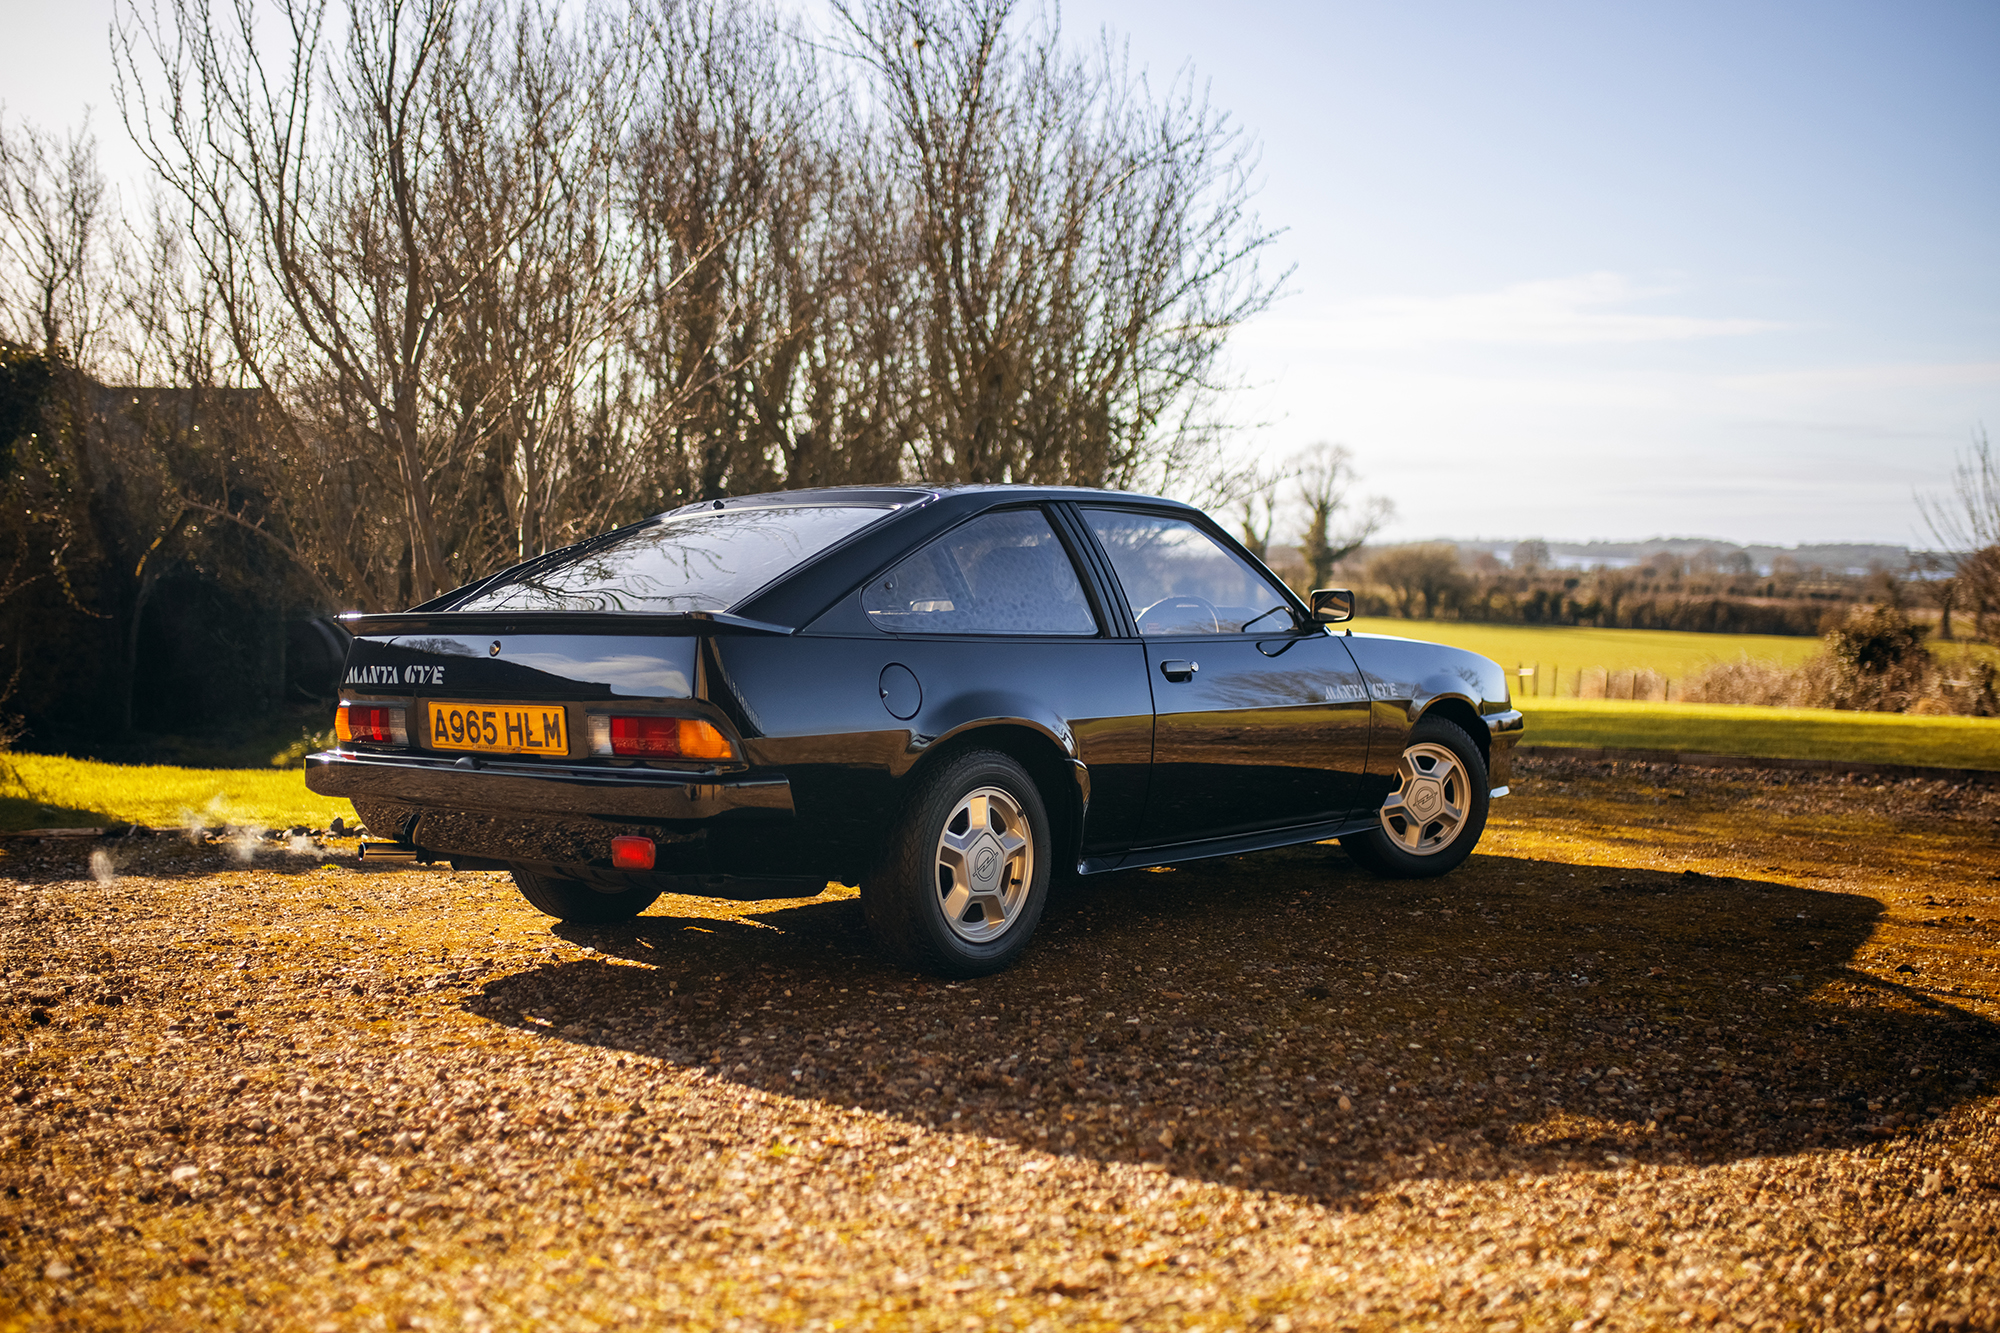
{"x": 399, "y": 852}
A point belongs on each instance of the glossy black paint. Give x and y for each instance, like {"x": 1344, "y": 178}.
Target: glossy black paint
{"x": 1147, "y": 749}
{"x": 528, "y": 665}
{"x": 1263, "y": 733}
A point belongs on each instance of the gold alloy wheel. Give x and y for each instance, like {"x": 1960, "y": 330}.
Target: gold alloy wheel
{"x": 1425, "y": 813}
{"x": 985, "y": 862}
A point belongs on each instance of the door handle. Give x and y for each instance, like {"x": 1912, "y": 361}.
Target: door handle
{"x": 1175, "y": 669}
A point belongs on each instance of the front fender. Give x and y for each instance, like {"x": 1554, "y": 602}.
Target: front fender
{"x": 1437, "y": 687}
{"x": 1413, "y": 675}
{"x": 1408, "y": 678}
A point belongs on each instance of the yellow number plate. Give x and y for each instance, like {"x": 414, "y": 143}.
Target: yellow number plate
{"x": 499, "y": 728}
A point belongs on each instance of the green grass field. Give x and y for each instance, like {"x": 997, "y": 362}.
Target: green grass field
{"x": 49, "y": 791}
{"x": 1561, "y": 651}
{"x": 1772, "y": 733}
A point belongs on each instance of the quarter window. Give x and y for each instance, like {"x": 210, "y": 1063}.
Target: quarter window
{"x": 1180, "y": 580}
{"x": 1003, "y": 573}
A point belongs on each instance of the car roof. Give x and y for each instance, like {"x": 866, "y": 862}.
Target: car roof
{"x": 797, "y": 597}
{"x": 903, "y": 495}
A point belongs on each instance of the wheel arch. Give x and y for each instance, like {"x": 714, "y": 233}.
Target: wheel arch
{"x": 1458, "y": 709}
{"x": 1062, "y": 780}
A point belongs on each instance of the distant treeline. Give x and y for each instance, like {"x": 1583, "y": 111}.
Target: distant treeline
{"x": 1706, "y": 615}
{"x": 1716, "y": 594}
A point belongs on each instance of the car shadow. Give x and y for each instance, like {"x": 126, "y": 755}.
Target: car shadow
{"x": 1284, "y": 1021}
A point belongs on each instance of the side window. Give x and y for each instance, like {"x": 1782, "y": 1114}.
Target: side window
{"x": 1180, "y": 580}
{"x": 1001, "y": 573}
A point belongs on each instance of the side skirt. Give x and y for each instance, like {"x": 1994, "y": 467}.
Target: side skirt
{"x": 1261, "y": 841}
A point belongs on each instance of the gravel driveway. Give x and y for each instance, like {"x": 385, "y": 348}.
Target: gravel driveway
{"x": 1677, "y": 1048}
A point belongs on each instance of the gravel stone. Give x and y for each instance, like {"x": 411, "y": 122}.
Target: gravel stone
{"x": 1646, "y": 1061}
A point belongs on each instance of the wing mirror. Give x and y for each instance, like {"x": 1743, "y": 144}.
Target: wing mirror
{"x": 1330, "y": 606}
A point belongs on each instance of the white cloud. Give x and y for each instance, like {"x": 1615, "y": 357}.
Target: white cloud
{"x": 1586, "y": 309}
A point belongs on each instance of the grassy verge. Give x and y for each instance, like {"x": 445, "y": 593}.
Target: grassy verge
{"x": 1771, "y": 733}
{"x": 1561, "y": 650}
{"x": 49, "y": 791}
{"x": 1957, "y": 652}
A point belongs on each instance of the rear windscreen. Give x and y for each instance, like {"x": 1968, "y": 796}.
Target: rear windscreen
{"x": 705, "y": 560}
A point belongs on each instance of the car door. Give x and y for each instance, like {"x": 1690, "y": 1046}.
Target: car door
{"x": 1259, "y": 721}
{"x": 994, "y": 619}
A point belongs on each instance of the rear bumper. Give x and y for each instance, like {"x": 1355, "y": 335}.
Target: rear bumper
{"x": 562, "y": 817}
{"x": 536, "y": 789}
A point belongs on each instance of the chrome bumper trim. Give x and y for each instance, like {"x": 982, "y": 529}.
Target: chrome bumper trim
{"x": 621, "y": 793}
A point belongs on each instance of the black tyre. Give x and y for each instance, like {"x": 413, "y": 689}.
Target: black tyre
{"x": 962, "y": 882}
{"x": 1431, "y": 822}
{"x": 573, "y": 900}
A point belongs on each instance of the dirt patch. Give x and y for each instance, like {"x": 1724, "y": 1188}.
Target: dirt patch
{"x": 1677, "y": 1045}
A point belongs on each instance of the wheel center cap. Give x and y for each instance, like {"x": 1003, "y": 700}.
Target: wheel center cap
{"x": 1424, "y": 799}
{"x": 986, "y": 866}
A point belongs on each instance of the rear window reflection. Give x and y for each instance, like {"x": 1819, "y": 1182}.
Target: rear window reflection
{"x": 706, "y": 560}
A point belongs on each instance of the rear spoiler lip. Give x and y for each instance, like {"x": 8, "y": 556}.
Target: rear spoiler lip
{"x": 361, "y": 623}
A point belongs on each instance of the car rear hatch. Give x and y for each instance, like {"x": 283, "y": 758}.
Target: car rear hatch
{"x": 551, "y": 687}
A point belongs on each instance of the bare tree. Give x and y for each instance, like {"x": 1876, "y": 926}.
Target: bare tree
{"x": 528, "y": 360}
{"x": 52, "y": 307}
{"x": 54, "y": 267}
{"x": 125, "y": 427}
{"x": 1255, "y": 500}
{"x": 1937, "y": 575}
{"x": 1529, "y": 557}
{"x": 354, "y": 194}
{"x": 1427, "y": 573}
{"x": 1966, "y": 525}
{"x": 506, "y": 272}
{"x": 744, "y": 343}
{"x": 1337, "y": 522}
{"x": 1078, "y": 249}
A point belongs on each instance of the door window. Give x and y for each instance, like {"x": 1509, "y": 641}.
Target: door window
{"x": 1179, "y": 580}
{"x": 1003, "y": 573}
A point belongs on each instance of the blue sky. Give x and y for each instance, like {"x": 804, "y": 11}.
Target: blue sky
{"x": 1613, "y": 270}
{"x": 1567, "y": 270}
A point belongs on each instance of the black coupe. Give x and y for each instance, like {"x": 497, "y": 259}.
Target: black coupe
{"x": 945, "y": 696}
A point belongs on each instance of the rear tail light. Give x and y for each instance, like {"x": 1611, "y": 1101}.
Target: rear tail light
{"x": 658, "y": 738}
{"x": 376, "y": 723}
{"x": 632, "y": 853}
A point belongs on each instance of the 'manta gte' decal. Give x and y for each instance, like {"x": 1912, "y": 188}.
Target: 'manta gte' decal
{"x": 388, "y": 675}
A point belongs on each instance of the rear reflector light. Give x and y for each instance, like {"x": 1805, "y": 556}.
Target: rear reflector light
{"x": 376, "y": 723}
{"x": 658, "y": 738}
{"x": 632, "y": 853}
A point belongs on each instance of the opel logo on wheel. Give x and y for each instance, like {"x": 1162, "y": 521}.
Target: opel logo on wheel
{"x": 985, "y": 864}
